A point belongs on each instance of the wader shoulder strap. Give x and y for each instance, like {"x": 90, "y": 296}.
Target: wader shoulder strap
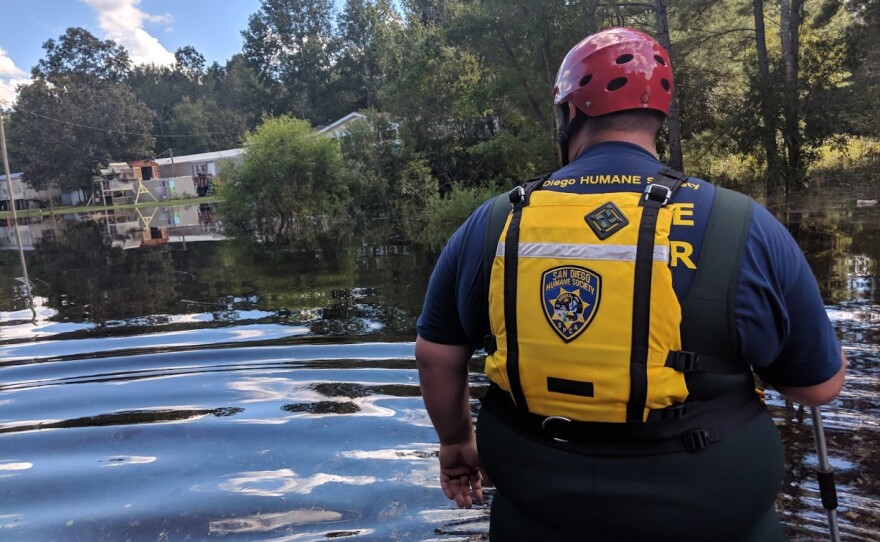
{"x": 707, "y": 311}
{"x": 498, "y": 211}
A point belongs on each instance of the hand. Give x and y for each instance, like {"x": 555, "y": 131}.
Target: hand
{"x": 460, "y": 472}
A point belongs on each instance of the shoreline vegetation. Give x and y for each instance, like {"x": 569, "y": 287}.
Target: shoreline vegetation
{"x": 418, "y": 213}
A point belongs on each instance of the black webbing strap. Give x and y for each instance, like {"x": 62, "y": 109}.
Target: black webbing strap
{"x": 511, "y": 263}
{"x": 656, "y": 196}
{"x": 684, "y": 361}
{"x": 697, "y": 428}
{"x": 519, "y": 198}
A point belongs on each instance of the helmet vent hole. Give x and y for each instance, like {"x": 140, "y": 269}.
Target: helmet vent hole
{"x": 617, "y": 83}
{"x": 660, "y": 60}
{"x": 665, "y": 84}
{"x": 623, "y": 59}
{"x": 586, "y": 79}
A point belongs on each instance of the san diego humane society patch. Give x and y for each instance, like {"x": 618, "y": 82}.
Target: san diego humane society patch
{"x": 570, "y": 299}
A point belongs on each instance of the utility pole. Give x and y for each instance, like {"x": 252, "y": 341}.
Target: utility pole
{"x": 27, "y": 282}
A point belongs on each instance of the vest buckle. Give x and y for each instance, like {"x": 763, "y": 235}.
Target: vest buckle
{"x": 549, "y": 419}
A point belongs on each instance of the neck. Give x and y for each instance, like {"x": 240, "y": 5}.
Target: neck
{"x": 584, "y": 139}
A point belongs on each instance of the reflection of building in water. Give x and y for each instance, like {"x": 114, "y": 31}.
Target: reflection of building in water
{"x": 123, "y": 228}
{"x": 861, "y": 265}
{"x": 32, "y": 231}
{"x": 862, "y": 276}
{"x": 132, "y": 228}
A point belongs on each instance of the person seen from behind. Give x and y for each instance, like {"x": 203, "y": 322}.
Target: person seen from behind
{"x": 625, "y": 309}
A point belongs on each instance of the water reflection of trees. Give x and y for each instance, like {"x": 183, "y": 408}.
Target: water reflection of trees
{"x": 342, "y": 291}
{"x": 128, "y": 417}
{"x": 839, "y": 240}
{"x": 353, "y": 390}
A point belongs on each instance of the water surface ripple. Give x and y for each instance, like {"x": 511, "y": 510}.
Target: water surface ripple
{"x": 297, "y": 442}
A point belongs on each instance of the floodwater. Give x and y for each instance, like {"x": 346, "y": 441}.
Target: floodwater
{"x": 168, "y": 385}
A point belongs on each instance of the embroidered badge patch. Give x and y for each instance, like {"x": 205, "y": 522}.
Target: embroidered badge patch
{"x": 570, "y": 296}
{"x": 606, "y": 220}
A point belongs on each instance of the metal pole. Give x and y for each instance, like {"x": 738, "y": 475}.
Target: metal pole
{"x": 27, "y": 282}
{"x": 825, "y": 472}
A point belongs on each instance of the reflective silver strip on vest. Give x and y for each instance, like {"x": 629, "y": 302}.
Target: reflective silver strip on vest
{"x": 565, "y": 251}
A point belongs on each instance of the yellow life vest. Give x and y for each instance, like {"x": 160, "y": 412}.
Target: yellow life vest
{"x": 583, "y": 311}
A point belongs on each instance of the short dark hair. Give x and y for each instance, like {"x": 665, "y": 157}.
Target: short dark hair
{"x": 629, "y": 120}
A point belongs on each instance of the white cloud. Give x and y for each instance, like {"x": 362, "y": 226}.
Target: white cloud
{"x": 8, "y": 67}
{"x": 123, "y": 22}
{"x": 10, "y": 77}
{"x": 8, "y": 93}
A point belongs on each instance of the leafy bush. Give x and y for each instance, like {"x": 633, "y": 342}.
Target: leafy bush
{"x": 445, "y": 214}
{"x": 291, "y": 187}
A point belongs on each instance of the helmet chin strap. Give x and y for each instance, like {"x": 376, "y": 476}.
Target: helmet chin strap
{"x": 564, "y": 135}
{"x": 562, "y": 139}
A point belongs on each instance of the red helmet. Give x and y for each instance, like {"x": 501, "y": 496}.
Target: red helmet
{"x": 613, "y": 70}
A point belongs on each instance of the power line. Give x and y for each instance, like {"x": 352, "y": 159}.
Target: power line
{"x": 112, "y": 130}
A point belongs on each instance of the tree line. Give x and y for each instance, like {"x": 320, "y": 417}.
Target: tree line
{"x": 762, "y": 88}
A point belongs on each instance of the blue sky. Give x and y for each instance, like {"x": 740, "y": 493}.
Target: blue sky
{"x": 151, "y": 30}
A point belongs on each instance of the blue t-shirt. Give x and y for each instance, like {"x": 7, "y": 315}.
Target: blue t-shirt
{"x": 781, "y": 325}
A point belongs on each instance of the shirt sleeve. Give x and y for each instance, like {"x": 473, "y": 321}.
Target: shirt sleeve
{"x": 781, "y": 323}
{"x": 456, "y": 302}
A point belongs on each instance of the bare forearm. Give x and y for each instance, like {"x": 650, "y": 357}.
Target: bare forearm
{"x": 443, "y": 377}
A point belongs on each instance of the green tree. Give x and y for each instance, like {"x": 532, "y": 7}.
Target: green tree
{"x": 190, "y": 63}
{"x": 371, "y": 150}
{"x": 77, "y": 114}
{"x": 863, "y": 59}
{"x": 237, "y": 87}
{"x": 288, "y": 40}
{"x": 78, "y": 53}
{"x": 765, "y": 98}
{"x": 13, "y": 143}
{"x": 362, "y": 33}
{"x": 435, "y": 88}
{"x": 292, "y": 186}
{"x": 68, "y": 129}
{"x": 163, "y": 89}
{"x": 203, "y": 126}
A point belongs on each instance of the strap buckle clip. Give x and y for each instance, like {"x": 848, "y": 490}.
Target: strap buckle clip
{"x": 686, "y": 362}
{"x": 517, "y": 195}
{"x": 675, "y": 411}
{"x": 696, "y": 440}
{"x": 659, "y": 193}
{"x": 552, "y": 419}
